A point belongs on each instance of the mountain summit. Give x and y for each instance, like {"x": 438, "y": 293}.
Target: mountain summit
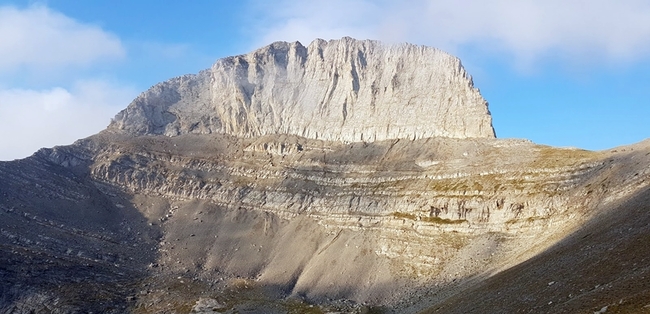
{"x": 281, "y": 182}
{"x": 342, "y": 90}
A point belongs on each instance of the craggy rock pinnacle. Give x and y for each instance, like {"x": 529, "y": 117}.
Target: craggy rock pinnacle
{"x": 341, "y": 90}
{"x": 343, "y": 177}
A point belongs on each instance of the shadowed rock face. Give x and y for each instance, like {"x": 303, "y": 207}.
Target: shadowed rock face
{"x": 227, "y": 219}
{"x": 342, "y": 90}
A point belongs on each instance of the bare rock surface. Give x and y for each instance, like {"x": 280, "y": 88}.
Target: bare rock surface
{"x": 340, "y": 90}
{"x": 178, "y": 208}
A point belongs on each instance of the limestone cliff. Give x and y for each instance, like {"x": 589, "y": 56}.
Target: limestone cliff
{"x": 341, "y": 90}
{"x": 280, "y": 181}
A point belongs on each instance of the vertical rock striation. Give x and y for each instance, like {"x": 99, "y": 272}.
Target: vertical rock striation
{"x": 280, "y": 180}
{"x": 340, "y": 90}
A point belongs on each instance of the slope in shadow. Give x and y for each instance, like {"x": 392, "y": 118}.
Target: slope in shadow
{"x": 67, "y": 244}
{"x": 603, "y": 264}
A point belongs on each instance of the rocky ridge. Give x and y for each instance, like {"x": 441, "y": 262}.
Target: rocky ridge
{"x": 338, "y": 90}
{"x": 231, "y": 219}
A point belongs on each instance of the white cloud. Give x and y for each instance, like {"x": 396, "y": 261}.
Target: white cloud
{"x": 39, "y": 41}
{"x": 37, "y": 37}
{"x": 600, "y": 30}
{"x": 31, "y": 119}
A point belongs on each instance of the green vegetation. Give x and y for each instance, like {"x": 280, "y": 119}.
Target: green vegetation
{"x": 299, "y": 307}
{"x": 241, "y": 293}
{"x": 438, "y": 220}
{"x": 549, "y": 157}
{"x": 403, "y": 215}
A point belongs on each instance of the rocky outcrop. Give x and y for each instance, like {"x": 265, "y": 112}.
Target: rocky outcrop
{"x": 341, "y": 90}
{"x": 392, "y": 216}
{"x": 334, "y": 177}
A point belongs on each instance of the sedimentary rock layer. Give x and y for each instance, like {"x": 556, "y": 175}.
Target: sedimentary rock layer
{"x": 329, "y": 177}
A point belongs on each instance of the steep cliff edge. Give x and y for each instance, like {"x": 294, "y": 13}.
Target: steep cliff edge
{"x": 230, "y": 190}
{"x": 340, "y": 90}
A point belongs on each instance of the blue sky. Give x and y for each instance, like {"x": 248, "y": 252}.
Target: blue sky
{"x": 561, "y": 73}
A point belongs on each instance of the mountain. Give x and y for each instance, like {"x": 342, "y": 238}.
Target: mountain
{"x": 341, "y": 90}
{"x": 348, "y": 176}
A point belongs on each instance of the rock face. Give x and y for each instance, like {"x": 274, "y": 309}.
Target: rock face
{"x": 211, "y": 193}
{"x": 341, "y": 90}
